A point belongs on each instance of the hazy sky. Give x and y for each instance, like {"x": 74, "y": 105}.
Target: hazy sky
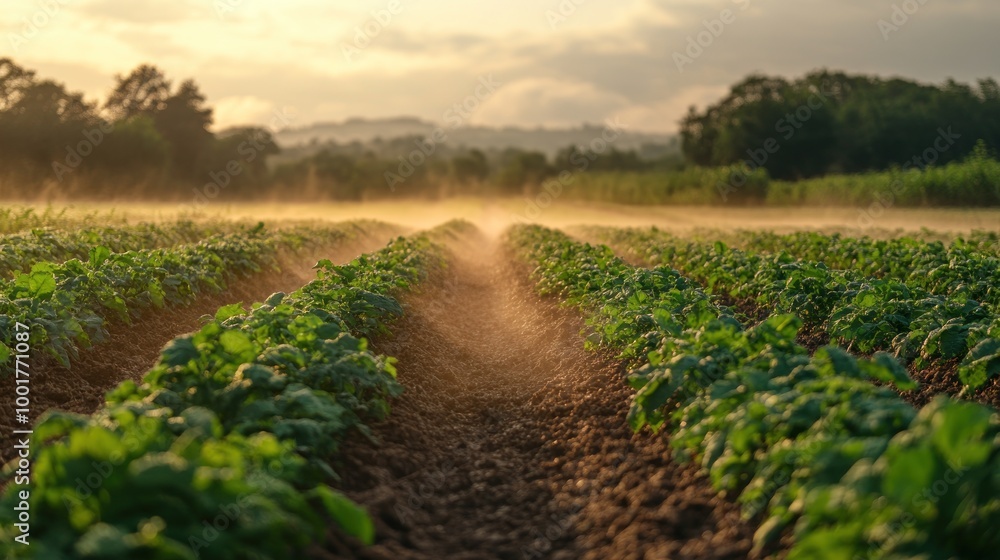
{"x": 558, "y": 62}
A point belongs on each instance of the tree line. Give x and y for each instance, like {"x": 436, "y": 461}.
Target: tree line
{"x": 149, "y": 138}
{"x": 152, "y": 139}
{"x": 832, "y": 122}
{"x": 394, "y": 168}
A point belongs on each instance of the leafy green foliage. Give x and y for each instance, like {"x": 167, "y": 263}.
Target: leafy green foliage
{"x": 932, "y": 493}
{"x": 967, "y": 267}
{"x": 71, "y": 304}
{"x": 856, "y": 123}
{"x": 807, "y": 443}
{"x": 19, "y": 252}
{"x": 223, "y": 450}
{"x": 931, "y": 319}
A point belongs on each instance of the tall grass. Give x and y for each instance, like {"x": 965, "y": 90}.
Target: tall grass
{"x": 692, "y": 185}
{"x": 974, "y": 182}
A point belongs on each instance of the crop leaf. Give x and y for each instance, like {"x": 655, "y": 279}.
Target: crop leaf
{"x": 238, "y": 344}
{"x": 98, "y": 255}
{"x": 180, "y": 351}
{"x": 961, "y": 434}
{"x": 886, "y": 368}
{"x": 982, "y": 363}
{"x": 349, "y": 515}
{"x": 39, "y": 284}
{"x": 948, "y": 341}
{"x": 229, "y": 311}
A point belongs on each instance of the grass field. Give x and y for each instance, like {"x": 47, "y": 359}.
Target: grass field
{"x": 449, "y": 381}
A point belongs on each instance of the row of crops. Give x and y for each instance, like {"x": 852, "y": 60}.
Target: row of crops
{"x": 122, "y": 274}
{"x": 15, "y": 219}
{"x": 819, "y": 444}
{"x": 18, "y": 252}
{"x": 223, "y": 450}
{"x": 942, "y": 313}
{"x": 967, "y": 267}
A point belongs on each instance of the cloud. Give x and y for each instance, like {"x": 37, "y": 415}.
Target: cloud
{"x": 148, "y": 11}
{"x": 608, "y": 58}
{"x": 665, "y": 115}
{"x": 548, "y": 102}
{"x": 242, "y": 110}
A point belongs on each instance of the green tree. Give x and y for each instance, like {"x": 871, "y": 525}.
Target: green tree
{"x": 470, "y": 167}
{"x": 520, "y": 170}
{"x": 183, "y": 121}
{"x": 835, "y": 122}
{"x": 144, "y": 91}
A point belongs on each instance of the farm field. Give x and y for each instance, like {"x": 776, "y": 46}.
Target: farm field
{"x": 312, "y": 383}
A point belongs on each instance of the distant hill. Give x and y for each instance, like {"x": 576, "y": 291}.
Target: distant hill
{"x": 547, "y": 140}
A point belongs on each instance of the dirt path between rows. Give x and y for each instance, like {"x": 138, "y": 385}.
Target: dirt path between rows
{"x": 511, "y": 441}
{"x": 133, "y": 349}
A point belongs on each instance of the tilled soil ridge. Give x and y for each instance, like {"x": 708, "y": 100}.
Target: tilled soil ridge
{"x": 511, "y": 441}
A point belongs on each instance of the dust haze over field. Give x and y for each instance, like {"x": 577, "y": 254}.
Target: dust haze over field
{"x": 494, "y": 216}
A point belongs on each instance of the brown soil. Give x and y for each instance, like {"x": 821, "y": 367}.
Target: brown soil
{"x": 941, "y": 378}
{"x": 511, "y": 442}
{"x": 132, "y": 349}
{"x": 813, "y": 338}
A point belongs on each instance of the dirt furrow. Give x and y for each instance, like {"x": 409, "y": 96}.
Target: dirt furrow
{"x": 132, "y": 349}
{"x": 511, "y": 441}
